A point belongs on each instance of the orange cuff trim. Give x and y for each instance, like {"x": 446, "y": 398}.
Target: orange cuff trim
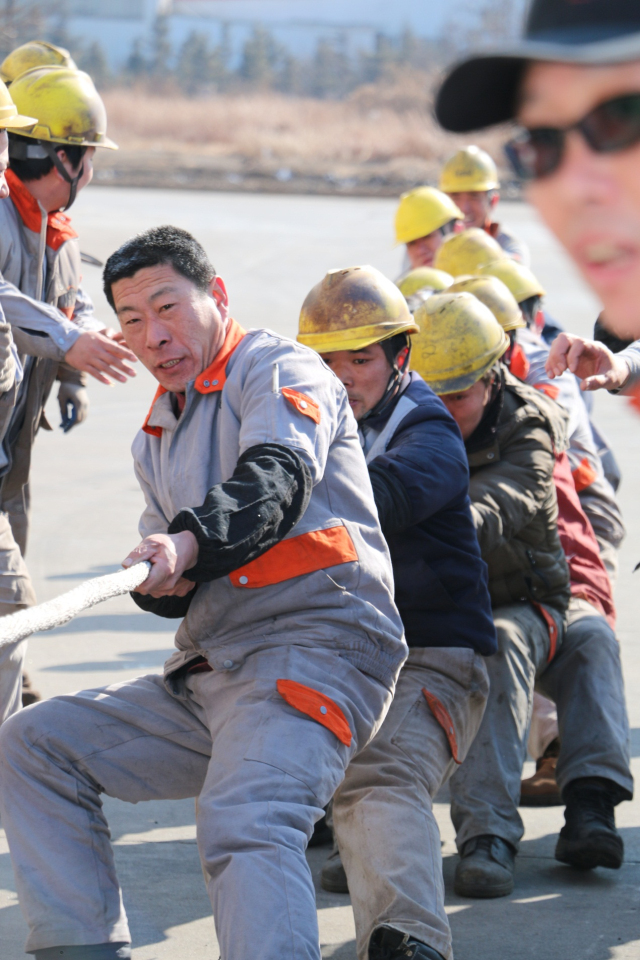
{"x": 549, "y": 389}
{"x": 297, "y": 556}
{"x": 302, "y": 403}
{"x": 551, "y": 627}
{"x": 583, "y": 475}
{"x": 443, "y": 717}
{"x": 316, "y": 705}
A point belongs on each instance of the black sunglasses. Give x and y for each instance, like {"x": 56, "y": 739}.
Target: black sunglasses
{"x": 609, "y": 127}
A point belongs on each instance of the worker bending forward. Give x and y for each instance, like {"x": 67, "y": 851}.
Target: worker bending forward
{"x": 513, "y": 434}
{"x": 387, "y": 834}
{"x": 262, "y": 531}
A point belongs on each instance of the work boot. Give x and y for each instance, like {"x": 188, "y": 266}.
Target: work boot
{"x": 29, "y": 695}
{"x": 541, "y": 790}
{"x": 386, "y": 943}
{"x": 589, "y": 837}
{"x": 485, "y": 868}
{"x": 332, "y": 877}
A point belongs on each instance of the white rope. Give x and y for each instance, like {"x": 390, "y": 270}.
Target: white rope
{"x": 53, "y": 613}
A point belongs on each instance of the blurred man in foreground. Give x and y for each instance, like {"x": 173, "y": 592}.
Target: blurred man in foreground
{"x": 261, "y": 530}
{"x": 470, "y": 179}
{"x": 388, "y": 838}
{"x": 573, "y": 84}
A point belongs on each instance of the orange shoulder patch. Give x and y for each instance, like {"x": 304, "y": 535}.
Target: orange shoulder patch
{"x": 548, "y": 389}
{"x": 302, "y": 403}
{"x": 316, "y": 705}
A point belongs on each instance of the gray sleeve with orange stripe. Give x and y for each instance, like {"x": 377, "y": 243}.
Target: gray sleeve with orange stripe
{"x": 248, "y": 514}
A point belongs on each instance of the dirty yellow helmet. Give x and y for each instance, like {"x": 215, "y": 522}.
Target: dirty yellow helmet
{"x": 518, "y": 278}
{"x": 351, "y": 309}
{"x": 495, "y": 295}
{"x": 9, "y": 116}
{"x": 423, "y": 277}
{"x": 470, "y": 170}
{"x": 68, "y": 107}
{"x": 467, "y": 252}
{"x": 459, "y": 340}
{"x": 423, "y": 210}
{"x": 35, "y": 53}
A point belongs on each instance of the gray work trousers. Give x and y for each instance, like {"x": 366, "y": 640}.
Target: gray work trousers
{"x": 16, "y": 593}
{"x": 261, "y": 769}
{"x": 383, "y": 816}
{"x": 584, "y": 680}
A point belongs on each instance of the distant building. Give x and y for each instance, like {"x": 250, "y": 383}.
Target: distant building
{"x": 296, "y": 24}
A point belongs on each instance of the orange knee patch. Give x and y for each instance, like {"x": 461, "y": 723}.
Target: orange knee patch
{"x": 316, "y": 705}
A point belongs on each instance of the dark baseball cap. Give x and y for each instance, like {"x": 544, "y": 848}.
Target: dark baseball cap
{"x": 483, "y": 89}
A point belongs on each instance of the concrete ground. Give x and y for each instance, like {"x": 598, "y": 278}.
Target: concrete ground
{"x": 271, "y": 250}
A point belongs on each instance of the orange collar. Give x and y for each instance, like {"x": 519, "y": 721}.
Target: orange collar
{"x": 210, "y": 380}
{"x": 59, "y": 228}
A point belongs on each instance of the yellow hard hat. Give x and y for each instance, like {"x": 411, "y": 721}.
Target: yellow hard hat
{"x": 68, "y": 107}
{"x": 495, "y": 295}
{"x": 459, "y": 340}
{"x": 422, "y": 277}
{"x": 351, "y": 309}
{"x": 423, "y": 210}
{"x": 470, "y": 170}
{"x": 35, "y": 53}
{"x": 518, "y": 278}
{"x": 466, "y": 252}
{"x": 9, "y": 116}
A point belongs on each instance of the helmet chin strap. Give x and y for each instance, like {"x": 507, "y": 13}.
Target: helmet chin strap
{"x": 54, "y": 156}
{"x": 397, "y": 373}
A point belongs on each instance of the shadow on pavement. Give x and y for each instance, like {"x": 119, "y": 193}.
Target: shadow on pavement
{"x": 118, "y": 623}
{"x": 98, "y": 571}
{"x": 554, "y": 911}
{"x": 132, "y": 660}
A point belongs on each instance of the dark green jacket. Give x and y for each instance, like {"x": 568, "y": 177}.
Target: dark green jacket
{"x": 513, "y": 499}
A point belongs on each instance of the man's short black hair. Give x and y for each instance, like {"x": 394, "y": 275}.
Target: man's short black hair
{"x": 153, "y": 247}
{"x": 27, "y": 170}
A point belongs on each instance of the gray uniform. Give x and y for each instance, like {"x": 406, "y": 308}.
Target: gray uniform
{"x": 39, "y": 293}
{"x": 304, "y": 643}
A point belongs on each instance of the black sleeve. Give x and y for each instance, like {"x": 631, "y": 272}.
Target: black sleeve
{"x": 169, "y": 607}
{"x": 245, "y": 516}
{"x": 392, "y": 500}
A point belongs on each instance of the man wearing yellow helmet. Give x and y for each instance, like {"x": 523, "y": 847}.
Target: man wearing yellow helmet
{"x": 590, "y": 522}
{"x": 512, "y": 435}
{"x": 34, "y": 53}
{"x": 358, "y": 322}
{"x": 52, "y": 320}
{"x": 470, "y": 178}
{"x": 424, "y": 217}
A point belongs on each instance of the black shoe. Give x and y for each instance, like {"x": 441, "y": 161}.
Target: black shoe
{"x": 29, "y": 695}
{"x": 486, "y": 868}
{"x": 322, "y": 835}
{"x": 333, "y": 877}
{"x": 386, "y": 943}
{"x": 589, "y": 837}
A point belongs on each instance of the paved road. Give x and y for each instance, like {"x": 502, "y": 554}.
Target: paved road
{"x": 271, "y": 250}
